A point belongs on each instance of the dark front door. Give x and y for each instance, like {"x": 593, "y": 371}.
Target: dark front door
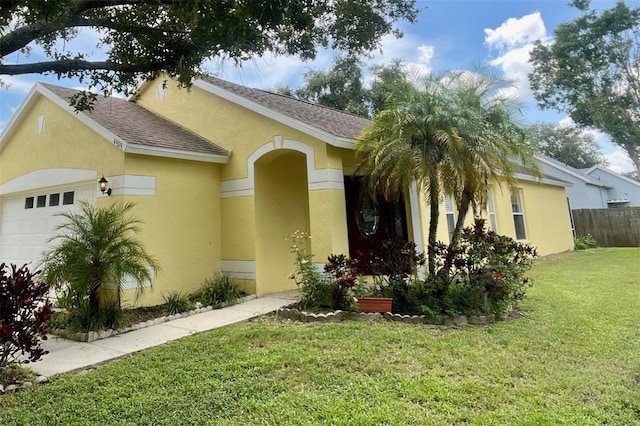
{"x": 371, "y": 220}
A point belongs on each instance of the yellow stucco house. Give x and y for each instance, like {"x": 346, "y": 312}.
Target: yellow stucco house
{"x": 220, "y": 175}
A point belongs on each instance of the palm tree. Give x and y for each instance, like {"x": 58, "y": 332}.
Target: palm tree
{"x": 410, "y": 141}
{"x": 454, "y": 133}
{"x": 95, "y": 249}
{"x": 487, "y": 120}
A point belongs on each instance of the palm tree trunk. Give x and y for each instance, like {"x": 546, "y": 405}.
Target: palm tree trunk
{"x": 94, "y": 300}
{"x": 434, "y": 198}
{"x": 463, "y": 209}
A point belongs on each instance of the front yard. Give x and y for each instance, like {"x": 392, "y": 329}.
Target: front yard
{"x": 573, "y": 359}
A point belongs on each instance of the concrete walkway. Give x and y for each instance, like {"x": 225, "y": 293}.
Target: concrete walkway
{"x": 67, "y": 355}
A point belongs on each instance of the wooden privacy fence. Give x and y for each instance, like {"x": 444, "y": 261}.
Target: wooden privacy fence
{"x": 610, "y": 227}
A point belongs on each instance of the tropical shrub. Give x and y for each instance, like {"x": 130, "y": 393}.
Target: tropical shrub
{"x": 585, "y": 242}
{"x": 94, "y": 250}
{"x": 397, "y": 259}
{"x": 341, "y": 272}
{"x": 395, "y": 264}
{"x": 24, "y": 311}
{"x": 218, "y": 290}
{"x": 483, "y": 273}
{"x": 176, "y": 303}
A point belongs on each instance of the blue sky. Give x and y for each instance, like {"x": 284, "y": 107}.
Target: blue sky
{"x": 449, "y": 34}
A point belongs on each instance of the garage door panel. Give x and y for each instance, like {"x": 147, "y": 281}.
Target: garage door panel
{"x": 25, "y": 232}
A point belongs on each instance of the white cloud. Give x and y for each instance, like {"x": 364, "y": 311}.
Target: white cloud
{"x": 516, "y": 32}
{"x": 18, "y": 84}
{"x": 514, "y": 39}
{"x": 619, "y": 161}
{"x": 514, "y": 64}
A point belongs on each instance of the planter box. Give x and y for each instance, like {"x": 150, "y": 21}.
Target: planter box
{"x": 374, "y": 304}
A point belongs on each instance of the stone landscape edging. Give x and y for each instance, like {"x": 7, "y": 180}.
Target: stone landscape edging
{"x": 337, "y": 316}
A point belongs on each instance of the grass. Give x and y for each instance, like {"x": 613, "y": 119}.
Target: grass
{"x": 572, "y": 360}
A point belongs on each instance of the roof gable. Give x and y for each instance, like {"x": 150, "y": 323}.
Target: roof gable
{"x": 127, "y": 125}
{"x": 337, "y": 128}
{"x": 612, "y": 173}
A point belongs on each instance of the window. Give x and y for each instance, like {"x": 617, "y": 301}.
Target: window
{"x": 518, "y": 215}
{"x": 41, "y": 201}
{"x": 67, "y": 198}
{"x": 54, "y": 200}
{"x": 451, "y": 216}
{"x": 492, "y": 212}
{"x": 28, "y": 203}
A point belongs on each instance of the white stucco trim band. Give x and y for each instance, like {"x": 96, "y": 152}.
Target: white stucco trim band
{"x": 47, "y": 178}
{"x": 317, "y": 179}
{"x": 132, "y": 185}
{"x": 239, "y": 269}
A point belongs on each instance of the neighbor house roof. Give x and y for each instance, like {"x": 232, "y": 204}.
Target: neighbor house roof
{"x": 571, "y": 171}
{"x": 138, "y": 127}
{"x": 335, "y": 127}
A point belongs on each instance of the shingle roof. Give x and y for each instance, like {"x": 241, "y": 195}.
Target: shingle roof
{"x": 136, "y": 125}
{"x": 335, "y": 122}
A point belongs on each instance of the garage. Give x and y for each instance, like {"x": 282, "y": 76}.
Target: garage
{"x": 28, "y": 220}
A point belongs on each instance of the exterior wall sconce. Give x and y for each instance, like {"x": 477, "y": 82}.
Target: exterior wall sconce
{"x": 103, "y": 184}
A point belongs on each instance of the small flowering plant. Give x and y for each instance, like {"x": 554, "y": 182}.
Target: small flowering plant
{"x": 329, "y": 288}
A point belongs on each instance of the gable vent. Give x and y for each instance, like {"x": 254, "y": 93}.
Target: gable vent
{"x": 40, "y": 124}
{"x": 161, "y": 91}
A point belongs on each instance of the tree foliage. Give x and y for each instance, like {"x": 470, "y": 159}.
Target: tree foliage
{"x": 94, "y": 250}
{"x": 343, "y": 87}
{"x": 144, "y": 37}
{"x": 569, "y": 144}
{"x": 592, "y": 71}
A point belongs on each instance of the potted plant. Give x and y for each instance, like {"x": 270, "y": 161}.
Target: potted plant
{"x": 374, "y": 304}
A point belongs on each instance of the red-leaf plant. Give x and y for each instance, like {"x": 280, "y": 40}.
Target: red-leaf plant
{"x": 24, "y": 311}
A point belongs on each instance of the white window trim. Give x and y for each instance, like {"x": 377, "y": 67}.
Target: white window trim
{"x": 518, "y": 194}
{"x": 491, "y": 212}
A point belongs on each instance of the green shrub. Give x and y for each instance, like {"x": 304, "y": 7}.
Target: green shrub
{"x": 176, "y": 303}
{"x": 585, "y": 242}
{"x": 218, "y": 290}
{"x": 80, "y": 316}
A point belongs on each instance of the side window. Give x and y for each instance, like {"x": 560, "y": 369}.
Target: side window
{"x": 451, "y": 215}
{"x": 518, "y": 215}
{"x": 491, "y": 211}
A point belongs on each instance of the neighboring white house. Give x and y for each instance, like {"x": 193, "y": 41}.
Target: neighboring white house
{"x": 624, "y": 191}
{"x": 594, "y": 188}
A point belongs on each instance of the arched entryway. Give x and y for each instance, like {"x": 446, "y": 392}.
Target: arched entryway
{"x": 281, "y": 208}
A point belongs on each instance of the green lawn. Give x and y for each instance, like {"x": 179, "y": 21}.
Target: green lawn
{"x": 574, "y": 359}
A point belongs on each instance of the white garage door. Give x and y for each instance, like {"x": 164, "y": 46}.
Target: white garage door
{"x": 27, "y": 222}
